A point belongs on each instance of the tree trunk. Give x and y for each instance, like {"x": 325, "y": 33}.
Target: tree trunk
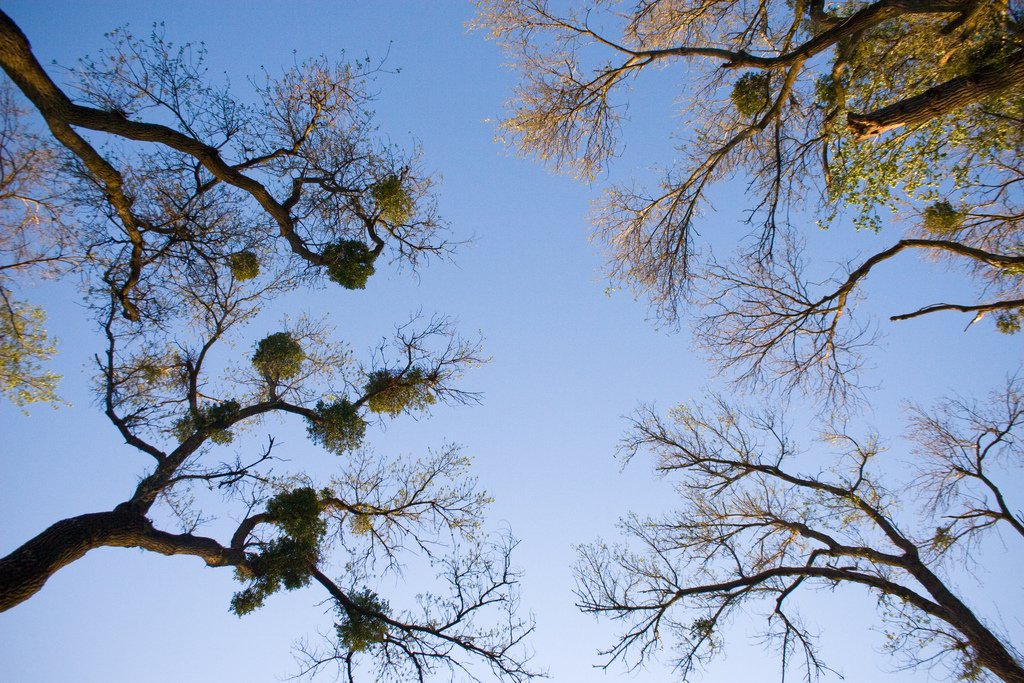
{"x": 941, "y": 99}
{"x": 24, "y": 571}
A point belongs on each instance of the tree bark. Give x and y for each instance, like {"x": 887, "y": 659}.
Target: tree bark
{"x": 989, "y": 650}
{"x": 941, "y": 99}
{"x": 24, "y": 571}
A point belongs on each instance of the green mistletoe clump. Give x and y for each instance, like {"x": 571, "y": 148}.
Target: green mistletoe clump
{"x": 278, "y": 357}
{"x": 751, "y": 92}
{"x": 337, "y": 426}
{"x": 392, "y": 393}
{"x": 213, "y": 419}
{"x": 359, "y": 631}
{"x": 393, "y": 200}
{"x": 349, "y": 263}
{"x": 287, "y": 561}
{"x": 244, "y": 265}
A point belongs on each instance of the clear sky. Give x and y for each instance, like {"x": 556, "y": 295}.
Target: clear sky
{"x": 569, "y": 360}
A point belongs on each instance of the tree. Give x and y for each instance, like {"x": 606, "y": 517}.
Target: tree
{"x": 759, "y": 528}
{"x": 183, "y": 227}
{"x": 34, "y": 239}
{"x": 895, "y": 110}
{"x": 886, "y": 112}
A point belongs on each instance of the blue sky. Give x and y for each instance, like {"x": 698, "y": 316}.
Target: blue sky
{"x": 569, "y": 360}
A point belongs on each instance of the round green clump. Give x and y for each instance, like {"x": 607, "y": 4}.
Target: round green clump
{"x": 244, "y": 265}
{"x": 942, "y": 218}
{"x": 349, "y": 263}
{"x": 338, "y": 427}
{"x": 278, "y": 357}
{"x": 297, "y": 512}
{"x": 393, "y": 393}
{"x": 394, "y": 202}
{"x": 359, "y": 631}
{"x": 281, "y": 563}
{"x": 1008, "y": 323}
{"x": 751, "y": 92}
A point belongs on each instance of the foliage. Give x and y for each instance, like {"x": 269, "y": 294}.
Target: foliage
{"x": 278, "y": 357}
{"x": 750, "y": 94}
{"x": 892, "y": 115}
{"x": 211, "y": 420}
{"x": 228, "y": 179}
{"x": 1008, "y": 323}
{"x": 165, "y": 241}
{"x": 393, "y": 200}
{"x": 394, "y": 393}
{"x": 337, "y": 426}
{"x": 360, "y": 628}
{"x": 245, "y": 265}
{"x": 858, "y": 110}
{"x": 941, "y": 218}
{"x": 24, "y": 344}
{"x": 33, "y": 242}
{"x": 361, "y": 524}
{"x": 349, "y": 263}
{"x": 297, "y": 512}
{"x": 284, "y": 562}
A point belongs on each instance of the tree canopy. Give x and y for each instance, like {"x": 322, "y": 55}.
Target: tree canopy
{"x": 897, "y": 116}
{"x": 33, "y": 239}
{"x": 185, "y": 212}
{"x": 889, "y": 112}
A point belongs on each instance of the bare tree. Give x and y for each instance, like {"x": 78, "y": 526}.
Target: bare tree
{"x": 176, "y": 227}
{"x": 178, "y": 409}
{"x": 889, "y": 111}
{"x": 761, "y": 523}
{"x": 766, "y": 322}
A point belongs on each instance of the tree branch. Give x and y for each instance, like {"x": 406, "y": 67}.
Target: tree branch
{"x": 942, "y": 99}
{"x": 24, "y": 571}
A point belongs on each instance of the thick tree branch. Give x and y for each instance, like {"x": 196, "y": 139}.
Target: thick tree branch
{"x": 829, "y": 573}
{"x": 941, "y": 99}
{"x": 24, "y": 571}
{"x": 963, "y": 308}
{"x": 17, "y": 60}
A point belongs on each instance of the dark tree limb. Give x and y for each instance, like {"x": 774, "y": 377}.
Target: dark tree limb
{"x": 24, "y": 571}
{"x": 837, "y": 31}
{"x": 17, "y": 60}
{"x": 941, "y": 99}
{"x": 963, "y": 308}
